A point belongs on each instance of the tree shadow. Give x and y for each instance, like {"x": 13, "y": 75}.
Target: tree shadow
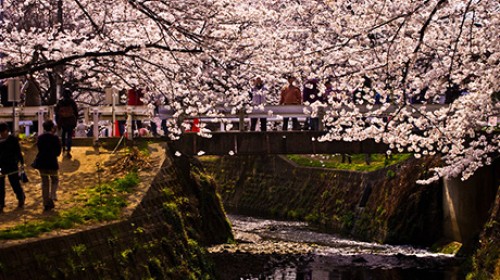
{"x": 69, "y": 164}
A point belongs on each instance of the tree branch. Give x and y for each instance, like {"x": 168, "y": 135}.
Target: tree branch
{"x": 35, "y": 67}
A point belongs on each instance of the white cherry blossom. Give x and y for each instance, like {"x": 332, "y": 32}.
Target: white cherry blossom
{"x": 201, "y": 55}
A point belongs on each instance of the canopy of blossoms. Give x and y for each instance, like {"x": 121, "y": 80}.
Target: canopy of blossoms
{"x": 198, "y": 55}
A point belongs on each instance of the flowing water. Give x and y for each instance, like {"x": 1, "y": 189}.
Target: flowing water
{"x": 269, "y": 249}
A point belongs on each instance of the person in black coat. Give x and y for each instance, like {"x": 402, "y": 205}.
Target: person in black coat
{"x": 10, "y": 158}
{"x": 66, "y": 118}
{"x": 49, "y": 148}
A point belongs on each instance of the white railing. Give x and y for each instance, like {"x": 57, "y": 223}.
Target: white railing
{"x": 21, "y": 114}
{"x": 273, "y": 113}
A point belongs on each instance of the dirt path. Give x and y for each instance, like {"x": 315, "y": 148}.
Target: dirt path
{"x": 75, "y": 173}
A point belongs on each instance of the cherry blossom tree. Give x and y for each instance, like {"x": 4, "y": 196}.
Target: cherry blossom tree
{"x": 202, "y": 54}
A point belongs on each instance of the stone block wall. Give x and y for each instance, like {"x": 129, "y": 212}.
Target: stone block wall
{"x": 385, "y": 206}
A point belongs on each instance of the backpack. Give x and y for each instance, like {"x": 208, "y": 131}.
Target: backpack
{"x": 65, "y": 111}
{"x": 66, "y": 116}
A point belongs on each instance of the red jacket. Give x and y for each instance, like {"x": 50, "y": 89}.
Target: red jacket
{"x": 290, "y": 95}
{"x": 134, "y": 97}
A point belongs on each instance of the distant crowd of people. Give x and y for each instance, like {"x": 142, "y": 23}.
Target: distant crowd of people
{"x": 291, "y": 94}
{"x": 311, "y": 93}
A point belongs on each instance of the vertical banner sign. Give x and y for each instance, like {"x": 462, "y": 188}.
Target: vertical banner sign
{"x": 14, "y": 86}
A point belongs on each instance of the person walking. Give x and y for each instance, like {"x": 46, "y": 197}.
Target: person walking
{"x": 290, "y": 95}
{"x": 49, "y": 148}
{"x": 10, "y": 158}
{"x": 66, "y": 117}
{"x": 258, "y": 98}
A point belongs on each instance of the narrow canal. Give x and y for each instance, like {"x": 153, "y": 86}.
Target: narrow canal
{"x": 269, "y": 249}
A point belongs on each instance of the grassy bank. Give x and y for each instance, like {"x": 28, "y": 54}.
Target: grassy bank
{"x": 358, "y": 161}
{"x": 94, "y": 204}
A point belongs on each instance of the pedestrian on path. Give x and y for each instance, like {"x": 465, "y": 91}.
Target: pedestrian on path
{"x": 66, "y": 118}
{"x": 10, "y": 159}
{"x": 49, "y": 148}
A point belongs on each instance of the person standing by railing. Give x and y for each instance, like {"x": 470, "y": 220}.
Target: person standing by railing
{"x": 160, "y": 115}
{"x": 66, "y": 117}
{"x": 291, "y": 95}
{"x": 258, "y": 97}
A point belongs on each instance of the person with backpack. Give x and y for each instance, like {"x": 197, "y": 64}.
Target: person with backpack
{"x": 66, "y": 118}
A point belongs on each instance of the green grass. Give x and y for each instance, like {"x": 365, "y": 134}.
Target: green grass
{"x": 142, "y": 147}
{"x": 208, "y": 158}
{"x": 448, "y": 248}
{"x": 358, "y": 163}
{"x": 97, "y": 203}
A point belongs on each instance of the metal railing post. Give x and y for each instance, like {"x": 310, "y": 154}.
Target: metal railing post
{"x": 41, "y": 119}
{"x": 51, "y": 112}
{"x": 130, "y": 131}
{"x": 95, "y": 127}
{"x": 321, "y": 115}
{"x": 15, "y": 131}
{"x": 241, "y": 114}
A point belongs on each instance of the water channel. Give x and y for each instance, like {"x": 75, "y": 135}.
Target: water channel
{"x": 269, "y": 249}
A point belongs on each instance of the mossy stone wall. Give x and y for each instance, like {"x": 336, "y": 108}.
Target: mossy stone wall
{"x": 384, "y": 206}
{"x": 486, "y": 259}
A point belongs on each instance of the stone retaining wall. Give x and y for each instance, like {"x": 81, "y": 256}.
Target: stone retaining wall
{"x": 385, "y": 206}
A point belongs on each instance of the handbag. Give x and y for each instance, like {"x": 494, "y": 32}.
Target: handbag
{"x": 35, "y": 164}
{"x": 23, "y": 177}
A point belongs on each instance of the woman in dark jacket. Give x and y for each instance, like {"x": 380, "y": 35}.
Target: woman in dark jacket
{"x": 49, "y": 148}
{"x": 10, "y": 157}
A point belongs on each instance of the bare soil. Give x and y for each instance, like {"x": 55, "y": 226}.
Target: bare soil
{"x": 74, "y": 174}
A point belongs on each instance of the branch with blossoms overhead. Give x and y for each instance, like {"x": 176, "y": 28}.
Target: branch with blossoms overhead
{"x": 202, "y": 54}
